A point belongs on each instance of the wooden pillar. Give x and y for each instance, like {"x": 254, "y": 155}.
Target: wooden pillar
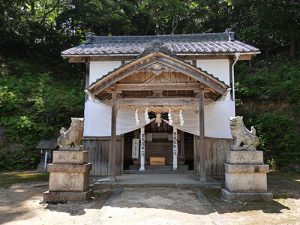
{"x": 142, "y": 168}
{"x": 201, "y": 147}
{"x": 112, "y": 150}
{"x": 175, "y": 148}
{"x": 182, "y": 146}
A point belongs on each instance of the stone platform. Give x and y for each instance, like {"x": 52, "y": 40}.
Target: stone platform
{"x": 134, "y": 169}
{"x": 69, "y": 177}
{"x": 246, "y": 176}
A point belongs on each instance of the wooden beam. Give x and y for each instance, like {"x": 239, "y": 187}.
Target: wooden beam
{"x": 158, "y": 87}
{"x": 77, "y": 60}
{"x": 157, "y": 101}
{"x": 201, "y": 147}
{"x": 150, "y": 78}
{"x": 112, "y": 150}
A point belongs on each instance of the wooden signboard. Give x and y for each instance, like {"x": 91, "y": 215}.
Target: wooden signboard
{"x": 157, "y": 161}
{"x": 135, "y": 148}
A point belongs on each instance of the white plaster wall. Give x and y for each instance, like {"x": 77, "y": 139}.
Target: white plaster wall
{"x": 91, "y": 115}
{"x": 100, "y": 68}
{"x": 217, "y": 67}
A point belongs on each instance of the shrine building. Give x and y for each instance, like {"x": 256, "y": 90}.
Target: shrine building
{"x": 159, "y": 102}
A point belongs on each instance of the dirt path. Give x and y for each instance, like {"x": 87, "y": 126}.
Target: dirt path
{"x": 155, "y": 206}
{"x": 21, "y": 204}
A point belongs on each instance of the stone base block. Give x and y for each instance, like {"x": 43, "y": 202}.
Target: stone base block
{"x": 244, "y": 157}
{"x": 232, "y": 168}
{"x": 69, "y": 168}
{"x": 244, "y": 196}
{"x": 246, "y": 182}
{"x": 58, "y": 196}
{"x": 246, "y": 178}
{"x": 70, "y": 157}
{"x": 61, "y": 181}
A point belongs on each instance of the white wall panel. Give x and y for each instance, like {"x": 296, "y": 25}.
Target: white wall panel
{"x": 100, "y": 68}
{"x": 217, "y": 67}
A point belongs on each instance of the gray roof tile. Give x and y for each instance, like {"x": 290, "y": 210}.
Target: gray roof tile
{"x": 210, "y": 43}
{"x": 47, "y": 144}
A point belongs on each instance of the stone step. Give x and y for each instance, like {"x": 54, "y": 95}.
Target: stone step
{"x": 160, "y": 168}
{"x": 159, "y": 144}
{"x": 154, "y": 180}
{"x": 158, "y": 172}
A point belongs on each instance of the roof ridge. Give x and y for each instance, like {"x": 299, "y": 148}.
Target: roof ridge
{"x": 91, "y": 38}
{"x": 201, "y": 43}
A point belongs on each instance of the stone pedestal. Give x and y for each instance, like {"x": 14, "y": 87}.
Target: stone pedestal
{"x": 69, "y": 177}
{"x": 246, "y": 176}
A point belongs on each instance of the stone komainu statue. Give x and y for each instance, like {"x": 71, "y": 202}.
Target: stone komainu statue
{"x": 242, "y": 135}
{"x": 73, "y": 136}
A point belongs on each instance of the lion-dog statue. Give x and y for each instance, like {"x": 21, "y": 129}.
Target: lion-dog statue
{"x": 242, "y": 135}
{"x": 73, "y": 136}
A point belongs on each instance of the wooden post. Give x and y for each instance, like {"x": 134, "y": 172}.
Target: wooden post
{"x": 201, "y": 147}
{"x": 112, "y": 150}
{"x": 175, "y": 148}
{"x": 142, "y": 155}
{"x": 182, "y": 146}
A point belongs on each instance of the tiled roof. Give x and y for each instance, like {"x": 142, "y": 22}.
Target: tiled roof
{"x": 209, "y": 43}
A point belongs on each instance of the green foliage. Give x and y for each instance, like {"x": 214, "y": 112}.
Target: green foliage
{"x": 271, "y": 25}
{"x": 34, "y": 105}
{"x": 273, "y": 80}
{"x": 268, "y": 96}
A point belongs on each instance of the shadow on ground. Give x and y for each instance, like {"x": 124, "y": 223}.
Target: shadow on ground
{"x": 282, "y": 186}
{"x": 12, "y": 200}
{"x": 78, "y": 208}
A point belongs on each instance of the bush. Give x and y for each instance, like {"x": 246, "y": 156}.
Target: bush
{"x": 279, "y": 138}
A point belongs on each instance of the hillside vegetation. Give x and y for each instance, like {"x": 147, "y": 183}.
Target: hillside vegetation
{"x": 39, "y": 92}
{"x": 268, "y": 94}
{"x": 34, "y": 104}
